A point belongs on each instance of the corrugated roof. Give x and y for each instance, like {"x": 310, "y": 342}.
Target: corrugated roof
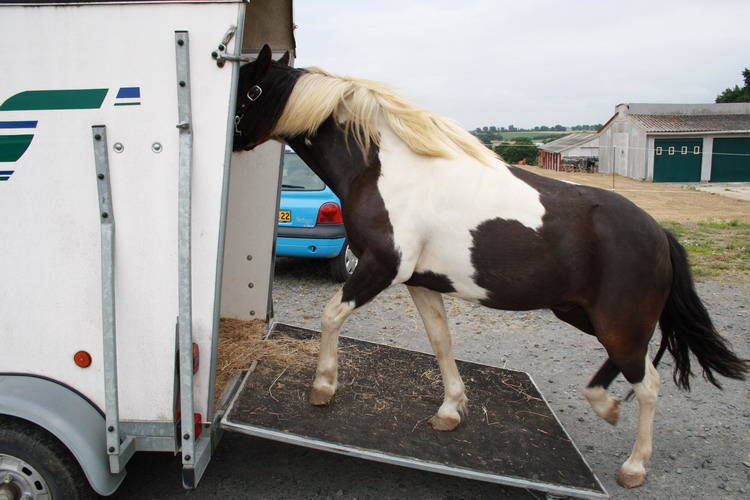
{"x": 567, "y": 142}
{"x": 692, "y": 123}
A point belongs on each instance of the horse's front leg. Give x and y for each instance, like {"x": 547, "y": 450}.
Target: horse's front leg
{"x": 431, "y": 309}
{"x": 326, "y": 375}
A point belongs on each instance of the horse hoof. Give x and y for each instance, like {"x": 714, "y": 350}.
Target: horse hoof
{"x": 630, "y": 479}
{"x": 321, "y": 397}
{"x": 443, "y": 424}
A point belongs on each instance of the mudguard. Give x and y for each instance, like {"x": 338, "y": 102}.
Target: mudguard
{"x": 67, "y": 415}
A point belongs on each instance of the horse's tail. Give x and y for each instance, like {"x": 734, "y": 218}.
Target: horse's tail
{"x": 686, "y": 327}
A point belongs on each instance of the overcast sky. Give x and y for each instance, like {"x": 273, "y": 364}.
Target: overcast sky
{"x": 531, "y": 62}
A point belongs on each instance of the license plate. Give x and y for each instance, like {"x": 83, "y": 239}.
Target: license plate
{"x": 285, "y": 216}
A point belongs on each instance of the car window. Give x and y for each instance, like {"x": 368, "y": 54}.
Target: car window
{"x": 297, "y": 175}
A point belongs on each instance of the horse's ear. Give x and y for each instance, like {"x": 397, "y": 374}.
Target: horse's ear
{"x": 263, "y": 62}
{"x": 285, "y": 59}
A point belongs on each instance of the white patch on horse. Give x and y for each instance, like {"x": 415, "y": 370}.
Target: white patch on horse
{"x": 434, "y": 204}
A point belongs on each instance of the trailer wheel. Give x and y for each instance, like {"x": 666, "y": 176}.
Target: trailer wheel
{"x": 36, "y": 465}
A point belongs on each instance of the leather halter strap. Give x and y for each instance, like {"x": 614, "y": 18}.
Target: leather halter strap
{"x": 252, "y": 95}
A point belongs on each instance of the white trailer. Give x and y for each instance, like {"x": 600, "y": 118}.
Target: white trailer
{"x": 122, "y": 240}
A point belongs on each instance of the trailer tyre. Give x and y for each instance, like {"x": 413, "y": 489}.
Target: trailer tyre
{"x": 34, "y": 464}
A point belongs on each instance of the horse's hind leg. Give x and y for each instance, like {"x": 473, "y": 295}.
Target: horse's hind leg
{"x": 603, "y": 404}
{"x": 633, "y": 471}
{"x": 431, "y": 309}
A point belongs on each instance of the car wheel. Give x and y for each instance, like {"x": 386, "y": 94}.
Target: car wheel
{"x": 34, "y": 464}
{"x": 342, "y": 266}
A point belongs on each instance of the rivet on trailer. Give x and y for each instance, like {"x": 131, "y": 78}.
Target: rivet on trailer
{"x": 124, "y": 243}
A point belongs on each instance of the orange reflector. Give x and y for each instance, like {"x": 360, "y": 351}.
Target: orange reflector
{"x": 82, "y": 359}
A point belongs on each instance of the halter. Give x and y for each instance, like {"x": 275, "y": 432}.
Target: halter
{"x": 252, "y": 95}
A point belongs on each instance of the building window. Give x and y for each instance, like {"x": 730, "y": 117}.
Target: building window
{"x": 671, "y": 150}
{"x": 683, "y": 150}
{"x": 696, "y": 150}
{"x": 659, "y": 151}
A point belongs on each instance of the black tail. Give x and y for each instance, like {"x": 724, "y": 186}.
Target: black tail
{"x": 686, "y": 326}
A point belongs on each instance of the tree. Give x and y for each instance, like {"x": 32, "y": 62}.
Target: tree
{"x": 737, "y": 94}
{"x": 521, "y": 150}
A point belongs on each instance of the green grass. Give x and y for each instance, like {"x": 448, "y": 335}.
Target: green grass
{"x": 717, "y": 249}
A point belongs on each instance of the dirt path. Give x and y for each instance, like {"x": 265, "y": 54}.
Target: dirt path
{"x": 664, "y": 202}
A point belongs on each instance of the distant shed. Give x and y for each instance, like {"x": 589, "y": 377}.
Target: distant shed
{"x": 578, "y": 151}
{"x": 678, "y": 142}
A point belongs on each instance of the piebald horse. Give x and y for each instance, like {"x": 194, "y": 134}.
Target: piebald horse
{"x": 427, "y": 205}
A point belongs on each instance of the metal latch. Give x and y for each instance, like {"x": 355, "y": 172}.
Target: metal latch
{"x": 221, "y": 56}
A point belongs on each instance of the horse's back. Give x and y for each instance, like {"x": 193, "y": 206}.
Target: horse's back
{"x": 532, "y": 242}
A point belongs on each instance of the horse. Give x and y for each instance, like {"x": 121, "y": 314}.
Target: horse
{"x": 427, "y": 205}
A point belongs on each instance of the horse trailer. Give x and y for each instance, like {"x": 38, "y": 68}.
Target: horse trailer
{"x": 117, "y": 123}
{"x": 124, "y": 243}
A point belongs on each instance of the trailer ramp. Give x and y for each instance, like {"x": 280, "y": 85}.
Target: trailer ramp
{"x": 385, "y": 397}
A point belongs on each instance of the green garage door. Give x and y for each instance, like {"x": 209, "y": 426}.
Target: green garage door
{"x": 678, "y": 160}
{"x": 731, "y": 160}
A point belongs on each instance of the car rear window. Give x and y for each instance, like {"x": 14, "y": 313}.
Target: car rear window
{"x": 297, "y": 175}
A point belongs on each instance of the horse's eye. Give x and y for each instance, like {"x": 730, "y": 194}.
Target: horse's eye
{"x": 254, "y": 93}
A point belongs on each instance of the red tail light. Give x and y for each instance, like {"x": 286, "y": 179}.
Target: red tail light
{"x": 330, "y": 213}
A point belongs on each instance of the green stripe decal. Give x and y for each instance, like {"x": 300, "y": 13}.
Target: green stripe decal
{"x": 55, "y": 99}
{"x": 12, "y": 147}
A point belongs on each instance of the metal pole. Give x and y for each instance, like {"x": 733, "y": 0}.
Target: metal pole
{"x": 184, "y": 280}
{"x": 109, "y": 337}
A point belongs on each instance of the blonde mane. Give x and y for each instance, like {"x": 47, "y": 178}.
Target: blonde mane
{"x": 359, "y": 104}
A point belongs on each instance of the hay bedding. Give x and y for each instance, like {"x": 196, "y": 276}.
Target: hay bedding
{"x": 242, "y": 342}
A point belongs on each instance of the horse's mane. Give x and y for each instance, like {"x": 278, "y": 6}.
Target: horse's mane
{"x": 359, "y": 104}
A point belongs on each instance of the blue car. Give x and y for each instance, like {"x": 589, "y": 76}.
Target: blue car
{"x": 310, "y": 220}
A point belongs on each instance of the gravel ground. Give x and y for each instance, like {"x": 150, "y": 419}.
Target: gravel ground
{"x": 701, "y": 439}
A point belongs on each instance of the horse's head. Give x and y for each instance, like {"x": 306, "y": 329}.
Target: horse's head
{"x": 263, "y": 90}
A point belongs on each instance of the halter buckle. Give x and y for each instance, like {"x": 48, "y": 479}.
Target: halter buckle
{"x": 254, "y": 93}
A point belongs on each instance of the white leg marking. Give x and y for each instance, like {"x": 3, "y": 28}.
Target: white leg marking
{"x": 633, "y": 471}
{"x": 604, "y": 405}
{"x": 326, "y": 375}
{"x": 431, "y": 309}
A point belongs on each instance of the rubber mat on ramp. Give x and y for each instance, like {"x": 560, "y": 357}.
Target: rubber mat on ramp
{"x": 385, "y": 397}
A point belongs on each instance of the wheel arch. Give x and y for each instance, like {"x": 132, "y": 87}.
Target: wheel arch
{"x": 68, "y": 416}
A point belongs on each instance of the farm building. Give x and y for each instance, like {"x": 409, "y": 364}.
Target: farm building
{"x": 572, "y": 152}
{"x": 678, "y": 142}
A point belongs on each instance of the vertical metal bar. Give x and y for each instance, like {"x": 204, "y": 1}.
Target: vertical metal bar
{"x": 109, "y": 340}
{"x": 184, "y": 219}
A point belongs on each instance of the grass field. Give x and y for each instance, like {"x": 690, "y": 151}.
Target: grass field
{"x": 716, "y": 249}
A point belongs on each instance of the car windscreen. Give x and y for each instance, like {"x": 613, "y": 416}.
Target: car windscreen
{"x": 297, "y": 175}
